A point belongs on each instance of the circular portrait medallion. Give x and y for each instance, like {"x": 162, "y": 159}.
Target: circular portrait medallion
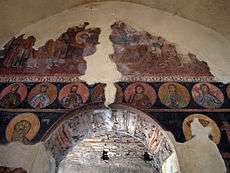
{"x": 119, "y": 94}
{"x": 99, "y": 93}
{"x": 228, "y": 91}
{"x": 207, "y": 95}
{"x": 13, "y": 95}
{"x": 206, "y": 122}
{"x": 140, "y": 95}
{"x": 23, "y": 128}
{"x": 42, "y": 95}
{"x": 174, "y": 95}
{"x": 73, "y": 95}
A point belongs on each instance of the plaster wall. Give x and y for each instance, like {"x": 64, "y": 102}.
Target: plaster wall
{"x": 207, "y": 44}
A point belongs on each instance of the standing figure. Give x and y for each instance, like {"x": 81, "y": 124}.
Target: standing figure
{"x": 174, "y": 99}
{"x": 11, "y": 99}
{"x": 19, "y": 51}
{"x": 41, "y": 99}
{"x": 139, "y": 99}
{"x": 206, "y": 98}
{"x": 73, "y": 99}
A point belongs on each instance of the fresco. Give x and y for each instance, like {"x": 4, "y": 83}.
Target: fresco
{"x": 175, "y": 119}
{"x": 48, "y": 98}
{"x": 228, "y": 90}
{"x": 140, "y": 95}
{"x": 98, "y": 95}
{"x": 63, "y": 57}
{"x": 73, "y": 95}
{"x": 23, "y": 128}
{"x": 207, "y": 95}
{"x": 206, "y": 122}
{"x": 119, "y": 94}
{"x": 174, "y": 95}
{"x": 42, "y": 95}
{"x": 13, "y": 95}
{"x": 91, "y": 123}
{"x": 140, "y": 55}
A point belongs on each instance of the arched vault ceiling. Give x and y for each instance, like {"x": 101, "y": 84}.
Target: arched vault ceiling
{"x": 16, "y": 14}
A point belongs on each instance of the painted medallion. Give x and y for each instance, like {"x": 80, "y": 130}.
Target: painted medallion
{"x": 23, "y": 128}
{"x": 99, "y": 93}
{"x": 228, "y": 91}
{"x": 206, "y": 122}
{"x": 140, "y": 95}
{"x": 42, "y": 95}
{"x": 119, "y": 94}
{"x": 73, "y": 95}
{"x": 207, "y": 95}
{"x": 13, "y": 95}
{"x": 174, "y": 95}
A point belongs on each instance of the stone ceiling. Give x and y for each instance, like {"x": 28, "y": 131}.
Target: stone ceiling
{"x": 17, "y": 14}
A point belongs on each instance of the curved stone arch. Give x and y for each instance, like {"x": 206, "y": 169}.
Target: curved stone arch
{"x": 90, "y": 122}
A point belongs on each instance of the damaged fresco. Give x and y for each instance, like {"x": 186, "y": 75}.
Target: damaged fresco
{"x": 62, "y": 57}
{"x": 44, "y": 99}
{"x": 103, "y": 124}
{"x": 177, "y": 105}
{"x": 26, "y": 117}
{"x": 140, "y": 55}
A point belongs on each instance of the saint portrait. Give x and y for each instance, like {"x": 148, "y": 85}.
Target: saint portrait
{"x": 13, "y": 95}
{"x": 42, "y": 95}
{"x": 119, "y": 94}
{"x": 140, "y": 95}
{"x": 174, "y": 95}
{"x": 228, "y": 91}
{"x": 23, "y": 128}
{"x": 98, "y": 95}
{"x": 205, "y": 121}
{"x": 207, "y": 95}
{"x": 73, "y": 95}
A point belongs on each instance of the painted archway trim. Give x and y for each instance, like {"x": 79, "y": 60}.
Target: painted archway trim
{"x": 90, "y": 122}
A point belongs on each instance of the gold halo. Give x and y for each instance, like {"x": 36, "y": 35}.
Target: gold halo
{"x": 32, "y": 118}
{"x": 163, "y": 91}
{"x": 215, "y": 131}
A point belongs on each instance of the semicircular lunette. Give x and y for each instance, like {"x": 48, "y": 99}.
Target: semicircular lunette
{"x": 140, "y": 55}
{"x": 57, "y": 60}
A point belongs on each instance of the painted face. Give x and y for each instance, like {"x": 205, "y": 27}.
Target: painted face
{"x": 172, "y": 89}
{"x": 44, "y": 88}
{"x": 14, "y": 88}
{"x": 74, "y": 89}
{"x": 139, "y": 89}
{"x": 22, "y": 128}
{"x": 204, "y": 89}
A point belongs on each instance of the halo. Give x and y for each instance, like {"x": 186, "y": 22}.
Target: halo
{"x": 163, "y": 91}
{"x": 82, "y": 90}
{"x": 32, "y": 118}
{"x": 215, "y": 131}
{"x": 213, "y": 89}
{"x": 51, "y": 91}
{"x": 148, "y": 90}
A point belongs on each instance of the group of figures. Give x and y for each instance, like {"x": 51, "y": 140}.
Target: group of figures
{"x": 138, "y": 53}
{"x": 42, "y": 95}
{"x": 62, "y": 56}
{"x": 134, "y": 52}
{"x": 172, "y": 95}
